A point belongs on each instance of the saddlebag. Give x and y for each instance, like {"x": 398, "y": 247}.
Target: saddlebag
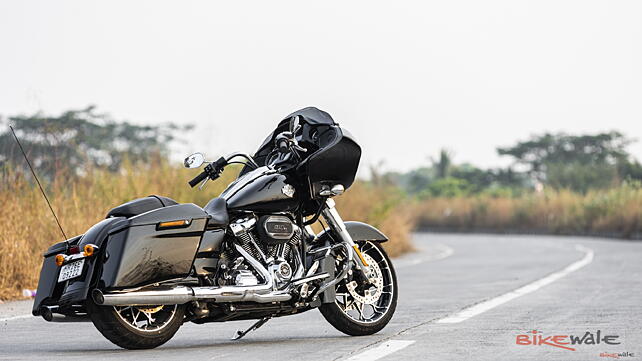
{"x": 156, "y": 246}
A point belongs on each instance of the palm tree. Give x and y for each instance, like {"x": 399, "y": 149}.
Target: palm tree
{"x": 443, "y": 164}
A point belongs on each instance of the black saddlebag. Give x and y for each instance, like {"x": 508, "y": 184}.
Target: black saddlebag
{"x": 153, "y": 247}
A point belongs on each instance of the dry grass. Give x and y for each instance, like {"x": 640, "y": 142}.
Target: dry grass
{"x": 27, "y": 228}
{"x": 383, "y": 208}
{"x": 616, "y": 212}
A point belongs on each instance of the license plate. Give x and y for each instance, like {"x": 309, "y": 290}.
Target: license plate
{"x": 71, "y": 270}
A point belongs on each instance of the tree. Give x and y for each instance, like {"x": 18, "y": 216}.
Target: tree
{"x": 416, "y": 180}
{"x": 477, "y": 178}
{"x": 581, "y": 177}
{"x": 443, "y": 164}
{"x": 78, "y": 138}
{"x": 577, "y": 162}
{"x": 448, "y": 187}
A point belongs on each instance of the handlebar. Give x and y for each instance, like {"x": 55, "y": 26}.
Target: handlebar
{"x": 286, "y": 142}
{"x": 211, "y": 171}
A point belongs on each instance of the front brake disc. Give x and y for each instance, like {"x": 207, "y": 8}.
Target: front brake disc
{"x": 368, "y": 295}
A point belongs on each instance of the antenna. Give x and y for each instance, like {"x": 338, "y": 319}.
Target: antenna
{"x": 38, "y": 181}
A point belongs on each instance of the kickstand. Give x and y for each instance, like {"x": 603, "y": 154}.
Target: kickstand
{"x": 259, "y": 323}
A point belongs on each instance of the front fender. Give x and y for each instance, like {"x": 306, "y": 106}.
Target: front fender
{"x": 360, "y": 231}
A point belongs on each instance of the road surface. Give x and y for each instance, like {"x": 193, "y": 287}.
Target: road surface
{"x": 462, "y": 297}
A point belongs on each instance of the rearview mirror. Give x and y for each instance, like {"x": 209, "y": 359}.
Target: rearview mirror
{"x": 194, "y": 161}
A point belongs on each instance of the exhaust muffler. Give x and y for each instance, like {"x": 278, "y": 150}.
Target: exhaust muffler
{"x": 181, "y": 294}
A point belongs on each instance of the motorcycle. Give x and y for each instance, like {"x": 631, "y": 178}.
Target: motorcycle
{"x": 251, "y": 254}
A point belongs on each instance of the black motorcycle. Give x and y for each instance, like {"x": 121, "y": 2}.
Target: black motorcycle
{"x": 154, "y": 264}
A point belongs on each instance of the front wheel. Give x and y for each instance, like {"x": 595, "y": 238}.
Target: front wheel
{"x": 137, "y": 327}
{"x": 360, "y": 310}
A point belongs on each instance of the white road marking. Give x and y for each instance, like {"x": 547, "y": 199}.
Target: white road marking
{"x": 531, "y": 287}
{"x": 443, "y": 252}
{"x": 15, "y": 318}
{"x": 382, "y": 350}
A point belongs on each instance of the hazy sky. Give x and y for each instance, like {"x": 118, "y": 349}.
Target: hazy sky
{"x": 407, "y": 78}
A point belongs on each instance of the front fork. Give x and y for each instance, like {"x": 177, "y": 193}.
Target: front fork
{"x": 331, "y": 215}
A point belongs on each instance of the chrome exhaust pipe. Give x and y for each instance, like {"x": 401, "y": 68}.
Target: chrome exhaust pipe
{"x": 263, "y": 293}
{"x": 180, "y": 295}
{"x": 173, "y": 296}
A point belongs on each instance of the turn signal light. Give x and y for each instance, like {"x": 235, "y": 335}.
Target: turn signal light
{"x": 60, "y": 259}
{"x": 88, "y": 250}
{"x": 174, "y": 224}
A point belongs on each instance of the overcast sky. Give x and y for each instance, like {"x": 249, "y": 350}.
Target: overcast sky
{"x": 407, "y": 78}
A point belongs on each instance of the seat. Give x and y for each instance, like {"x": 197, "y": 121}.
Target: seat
{"x": 217, "y": 210}
{"x": 140, "y": 205}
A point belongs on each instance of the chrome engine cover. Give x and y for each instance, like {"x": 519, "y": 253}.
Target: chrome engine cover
{"x": 275, "y": 229}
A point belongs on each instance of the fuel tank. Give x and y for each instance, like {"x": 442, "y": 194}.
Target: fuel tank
{"x": 262, "y": 190}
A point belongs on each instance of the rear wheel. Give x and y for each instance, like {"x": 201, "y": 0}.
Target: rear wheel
{"x": 137, "y": 327}
{"x": 365, "y": 310}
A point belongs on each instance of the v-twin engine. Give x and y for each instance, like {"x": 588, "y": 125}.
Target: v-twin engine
{"x": 280, "y": 257}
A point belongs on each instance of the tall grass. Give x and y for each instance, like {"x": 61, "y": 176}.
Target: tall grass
{"x": 384, "y": 208}
{"x": 27, "y": 227}
{"x": 615, "y": 212}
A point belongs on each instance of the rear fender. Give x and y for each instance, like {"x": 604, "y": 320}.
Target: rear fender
{"x": 50, "y": 292}
{"x": 48, "y": 288}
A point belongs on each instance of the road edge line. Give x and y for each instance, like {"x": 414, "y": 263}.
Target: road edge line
{"x": 384, "y": 349}
{"x": 484, "y": 306}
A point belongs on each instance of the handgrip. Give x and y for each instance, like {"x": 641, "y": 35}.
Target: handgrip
{"x": 198, "y": 179}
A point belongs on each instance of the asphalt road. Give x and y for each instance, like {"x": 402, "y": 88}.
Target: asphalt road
{"x": 514, "y": 284}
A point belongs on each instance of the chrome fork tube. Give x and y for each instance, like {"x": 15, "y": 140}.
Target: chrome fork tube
{"x": 331, "y": 215}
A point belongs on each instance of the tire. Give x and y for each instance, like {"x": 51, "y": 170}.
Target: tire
{"x": 119, "y": 332}
{"x": 335, "y": 315}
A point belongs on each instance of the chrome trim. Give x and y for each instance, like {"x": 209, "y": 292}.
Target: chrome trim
{"x": 246, "y": 156}
{"x": 336, "y": 190}
{"x": 313, "y": 269}
{"x": 331, "y": 215}
{"x": 242, "y": 225}
{"x": 172, "y": 296}
{"x": 311, "y": 278}
{"x": 325, "y": 249}
{"x": 278, "y": 234}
